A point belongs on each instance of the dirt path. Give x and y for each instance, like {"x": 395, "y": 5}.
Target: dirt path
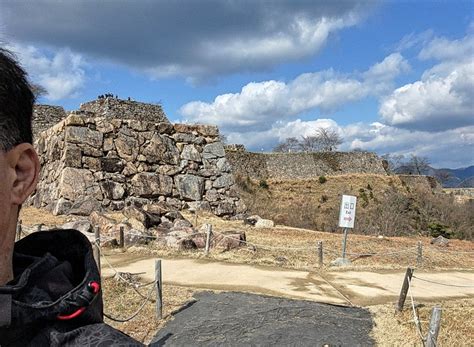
{"x": 341, "y": 287}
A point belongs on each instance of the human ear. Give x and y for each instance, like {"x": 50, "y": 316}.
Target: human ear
{"x": 25, "y": 163}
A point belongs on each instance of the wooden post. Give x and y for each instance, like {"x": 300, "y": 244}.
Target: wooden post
{"x": 18, "y": 230}
{"x": 96, "y": 247}
{"x": 404, "y": 291}
{"x": 208, "y": 237}
{"x": 121, "y": 237}
{"x": 320, "y": 253}
{"x": 159, "y": 290}
{"x": 435, "y": 322}
{"x": 419, "y": 257}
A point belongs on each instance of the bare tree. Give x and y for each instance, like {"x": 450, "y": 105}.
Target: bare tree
{"x": 309, "y": 144}
{"x": 291, "y": 144}
{"x": 328, "y": 139}
{"x": 325, "y": 140}
{"x": 38, "y": 90}
{"x": 418, "y": 165}
{"x": 443, "y": 176}
{"x": 394, "y": 161}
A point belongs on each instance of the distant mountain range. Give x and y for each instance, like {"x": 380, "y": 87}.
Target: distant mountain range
{"x": 451, "y": 178}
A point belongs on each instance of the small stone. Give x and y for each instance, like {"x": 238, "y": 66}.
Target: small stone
{"x": 440, "y": 241}
{"x": 264, "y": 223}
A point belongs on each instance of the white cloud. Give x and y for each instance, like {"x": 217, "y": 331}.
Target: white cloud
{"x": 62, "y": 74}
{"x": 260, "y": 104}
{"x": 441, "y": 48}
{"x": 446, "y": 148}
{"x": 443, "y": 97}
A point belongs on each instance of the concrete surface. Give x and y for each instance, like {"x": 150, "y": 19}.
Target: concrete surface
{"x": 238, "y": 319}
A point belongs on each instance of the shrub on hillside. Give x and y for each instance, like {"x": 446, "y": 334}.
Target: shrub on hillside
{"x": 437, "y": 229}
{"x": 322, "y": 179}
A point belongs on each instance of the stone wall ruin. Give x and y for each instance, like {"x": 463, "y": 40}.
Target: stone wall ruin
{"x": 102, "y": 163}
{"x": 302, "y": 165}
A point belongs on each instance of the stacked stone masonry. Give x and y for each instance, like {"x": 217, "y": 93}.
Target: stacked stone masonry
{"x": 112, "y": 108}
{"x": 102, "y": 163}
{"x": 303, "y": 165}
{"x": 45, "y": 116}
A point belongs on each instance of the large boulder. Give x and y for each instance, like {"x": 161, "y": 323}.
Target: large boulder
{"x": 228, "y": 240}
{"x": 147, "y": 219}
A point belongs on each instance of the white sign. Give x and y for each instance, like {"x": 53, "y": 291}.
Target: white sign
{"x": 347, "y": 213}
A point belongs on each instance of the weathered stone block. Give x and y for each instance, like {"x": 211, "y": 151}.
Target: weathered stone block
{"x": 72, "y": 156}
{"x": 112, "y": 164}
{"x": 190, "y": 152}
{"x": 75, "y": 183}
{"x": 147, "y": 184}
{"x": 92, "y": 163}
{"x": 190, "y": 187}
{"x": 161, "y": 149}
{"x": 127, "y": 147}
{"x": 84, "y": 135}
{"x": 224, "y": 181}
{"x": 213, "y": 150}
{"x": 112, "y": 190}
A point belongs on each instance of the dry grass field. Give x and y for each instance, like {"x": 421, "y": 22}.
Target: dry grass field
{"x": 398, "y": 329}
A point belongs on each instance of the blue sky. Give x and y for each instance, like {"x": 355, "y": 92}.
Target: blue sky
{"x": 390, "y": 77}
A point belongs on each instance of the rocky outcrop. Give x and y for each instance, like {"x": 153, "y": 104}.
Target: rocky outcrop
{"x": 97, "y": 163}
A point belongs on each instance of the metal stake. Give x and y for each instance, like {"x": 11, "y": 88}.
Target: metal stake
{"x": 344, "y": 244}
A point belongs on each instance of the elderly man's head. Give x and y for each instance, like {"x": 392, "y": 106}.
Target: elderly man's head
{"x": 18, "y": 160}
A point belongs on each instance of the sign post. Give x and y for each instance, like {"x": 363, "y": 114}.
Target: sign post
{"x": 346, "y": 221}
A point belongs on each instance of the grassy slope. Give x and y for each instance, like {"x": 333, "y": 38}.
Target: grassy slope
{"x": 314, "y": 205}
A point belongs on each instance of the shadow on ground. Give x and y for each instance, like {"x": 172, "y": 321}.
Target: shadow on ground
{"x": 235, "y": 319}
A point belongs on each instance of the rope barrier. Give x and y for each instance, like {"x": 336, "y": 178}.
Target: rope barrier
{"x": 136, "y": 313}
{"x": 415, "y": 315}
{"x": 134, "y": 286}
{"x": 443, "y": 284}
{"x": 372, "y": 254}
{"x": 449, "y": 251}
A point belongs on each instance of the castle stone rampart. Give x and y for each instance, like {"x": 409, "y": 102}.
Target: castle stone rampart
{"x": 45, "y": 116}
{"x": 112, "y": 108}
{"x": 93, "y": 164}
{"x": 303, "y": 165}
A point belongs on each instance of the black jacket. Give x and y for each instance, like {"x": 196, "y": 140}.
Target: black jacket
{"x": 55, "y": 297}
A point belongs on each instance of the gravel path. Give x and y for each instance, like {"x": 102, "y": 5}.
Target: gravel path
{"x": 239, "y": 319}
